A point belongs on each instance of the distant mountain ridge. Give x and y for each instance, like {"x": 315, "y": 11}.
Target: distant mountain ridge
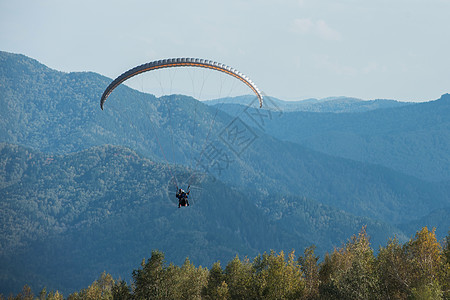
{"x": 329, "y": 104}
{"x": 413, "y": 138}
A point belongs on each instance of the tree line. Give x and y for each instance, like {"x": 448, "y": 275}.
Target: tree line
{"x": 417, "y": 269}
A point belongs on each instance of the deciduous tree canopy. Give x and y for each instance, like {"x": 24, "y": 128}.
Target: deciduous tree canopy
{"x": 418, "y": 269}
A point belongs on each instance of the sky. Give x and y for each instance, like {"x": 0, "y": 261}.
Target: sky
{"x": 292, "y": 49}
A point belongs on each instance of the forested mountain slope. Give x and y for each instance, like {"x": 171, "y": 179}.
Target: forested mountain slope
{"x": 413, "y": 139}
{"x": 84, "y": 187}
{"x": 59, "y": 113}
{"x": 106, "y": 208}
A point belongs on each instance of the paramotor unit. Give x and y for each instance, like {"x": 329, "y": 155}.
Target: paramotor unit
{"x": 181, "y": 62}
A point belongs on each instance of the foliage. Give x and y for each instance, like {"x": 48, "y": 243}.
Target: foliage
{"x": 278, "y": 278}
{"x": 423, "y": 254}
{"x": 349, "y": 272}
{"x": 393, "y": 271}
{"x": 414, "y": 269}
{"x": 102, "y": 288}
{"x": 216, "y": 287}
{"x": 156, "y": 281}
{"x": 239, "y": 279}
{"x": 445, "y": 273}
{"x": 400, "y": 271}
{"x": 310, "y": 268}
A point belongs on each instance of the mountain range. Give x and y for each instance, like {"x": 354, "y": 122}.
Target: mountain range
{"x": 84, "y": 187}
{"x": 329, "y": 104}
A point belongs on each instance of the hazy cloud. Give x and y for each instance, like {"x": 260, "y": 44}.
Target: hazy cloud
{"x": 326, "y": 62}
{"x": 320, "y": 28}
{"x": 326, "y": 32}
{"x": 301, "y": 2}
{"x": 302, "y": 26}
{"x": 373, "y": 67}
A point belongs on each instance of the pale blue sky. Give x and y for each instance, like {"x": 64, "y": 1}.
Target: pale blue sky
{"x": 292, "y": 49}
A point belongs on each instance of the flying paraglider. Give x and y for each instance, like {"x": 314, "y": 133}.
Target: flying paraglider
{"x": 182, "y": 197}
{"x": 180, "y": 62}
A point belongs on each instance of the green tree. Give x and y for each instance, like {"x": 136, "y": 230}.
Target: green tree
{"x": 309, "y": 265}
{"x": 393, "y": 271}
{"x": 54, "y": 296}
{"x": 222, "y": 291}
{"x": 155, "y": 281}
{"x": 327, "y": 276}
{"x": 424, "y": 253}
{"x": 361, "y": 281}
{"x": 350, "y": 273}
{"x": 191, "y": 280}
{"x": 121, "y": 291}
{"x": 445, "y": 274}
{"x": 216, "y": 287}
{"x": 148, "y": 281}
{"x": 425, "y": 264}
{"x": 25, "y": 294}
{"x": 171, "y": 282}
{"x": 413, "y": 270}
{"x": 278, "y": 278}
{"x": 239, "y": 279}
{"x": 102, "y": 288}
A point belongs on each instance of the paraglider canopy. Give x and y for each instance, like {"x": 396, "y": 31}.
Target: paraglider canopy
{"x": 181, "y": 62}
